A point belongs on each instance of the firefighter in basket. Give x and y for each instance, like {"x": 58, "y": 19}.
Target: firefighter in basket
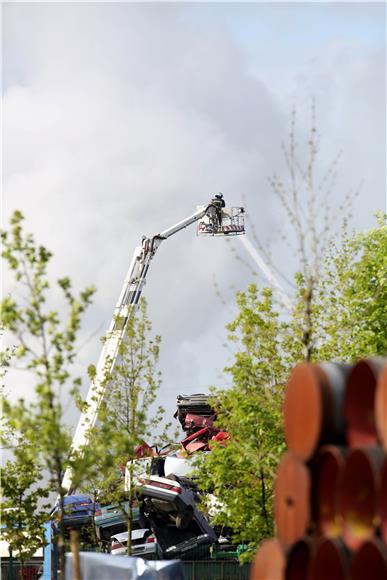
{"x": 215, "y": 210}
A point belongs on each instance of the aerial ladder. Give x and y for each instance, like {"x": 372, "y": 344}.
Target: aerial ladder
{"x": 213, "y": 219}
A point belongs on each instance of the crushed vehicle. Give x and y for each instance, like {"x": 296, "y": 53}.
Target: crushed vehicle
{"x": 197, "y": 419}
{"x": 169, "y": 504}
{"x": 79, "y": 510}
{"x": 165, "y": 481}
{"x": 182, "y": 547}
{"x": 113, "y": 519}
{"x": 192, "y": 407}
{"x": 144, "y": 543}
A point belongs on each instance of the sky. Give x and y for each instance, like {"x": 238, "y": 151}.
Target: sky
{"x": 120, "y": 118}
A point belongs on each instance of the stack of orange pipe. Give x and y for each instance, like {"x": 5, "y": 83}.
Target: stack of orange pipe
{"x": 330, "y": 493}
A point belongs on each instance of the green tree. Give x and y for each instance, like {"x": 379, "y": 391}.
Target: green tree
{"x": 349, "y": 313}
{"x": 267, "y": 344}
{"x": 339, "y": 312}
{"x": 240, "y": 474}
{"x": 45, "y": 343}
{"x": 128, "y": 415}
{"x": 352, "y": 305}
{"x": 22, "y": 513}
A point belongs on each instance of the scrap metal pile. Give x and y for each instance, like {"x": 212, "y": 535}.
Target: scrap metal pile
{"x": 197, "y": 420}
{"x": 331, "y": 484}
{"x": 166, "y": 522}
{"x": 166, "y": 486}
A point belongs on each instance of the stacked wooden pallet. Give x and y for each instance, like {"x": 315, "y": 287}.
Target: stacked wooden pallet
{"x": 331, "y": 485}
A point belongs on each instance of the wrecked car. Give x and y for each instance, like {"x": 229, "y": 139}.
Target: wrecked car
{"x": 169, "y": 504}
{"x": 144, "y": 543}
{"x": 113, "y": 519}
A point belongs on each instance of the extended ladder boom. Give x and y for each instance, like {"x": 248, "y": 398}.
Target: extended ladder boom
{"x": 126, "y": 306}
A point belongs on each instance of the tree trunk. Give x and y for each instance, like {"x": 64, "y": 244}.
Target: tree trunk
{"x": 10, "y": 565}
{"x": 130, "y": 510}
{"x": 74, "y": 544}
{"x": 61, "y": 542}
{"x": 308, "y": 323}
{"x": 264, "y": 499}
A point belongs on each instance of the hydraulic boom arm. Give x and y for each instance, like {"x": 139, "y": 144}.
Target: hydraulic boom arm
{"x": 126, "y": 307}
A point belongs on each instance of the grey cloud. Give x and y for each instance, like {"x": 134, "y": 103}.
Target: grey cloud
{"x": 120, "y": 118}
{"x": 112, "y": 136}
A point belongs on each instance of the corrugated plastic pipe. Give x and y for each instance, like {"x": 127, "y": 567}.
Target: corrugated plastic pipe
{"x": 269, "y": 562}
{"x": 329, "y": 561}
{"x": 383, "y": 501}
{"x": 313, "y": 408}
{"x": 291, "y": 499}
{"x": 359, "y": 495}
{"x": 381, "y": 407}
{"x": 359, "y": 402}
{"x": 326, "y": 471}
{"x": 298, "y": 560}
{"x": 370, "y": 562}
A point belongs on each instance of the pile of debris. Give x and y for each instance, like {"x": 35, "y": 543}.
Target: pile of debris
{"x": 166, "y": 486}
{"x": 197, "y": 419}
